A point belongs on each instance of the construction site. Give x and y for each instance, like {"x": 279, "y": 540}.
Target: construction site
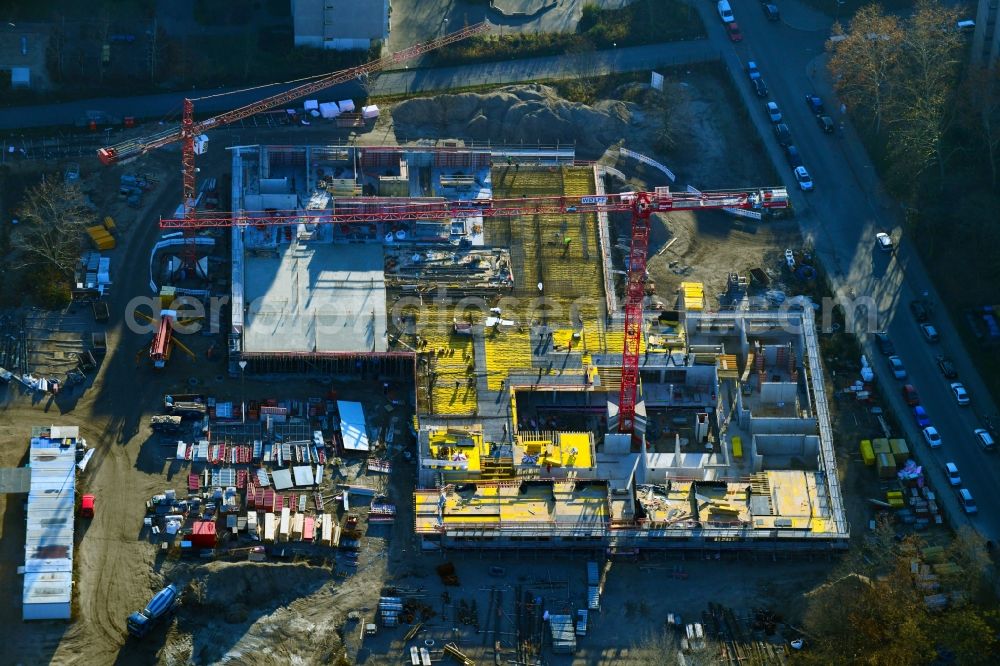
{"x": 438, "y": 357}
{"x": 510, "y": 328}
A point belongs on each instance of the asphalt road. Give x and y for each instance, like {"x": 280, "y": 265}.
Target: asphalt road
{"x": 841, "y": 218}
{"x": 168, "y": 105}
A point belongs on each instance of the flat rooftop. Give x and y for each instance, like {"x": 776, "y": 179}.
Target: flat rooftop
{"x": 315, "y": 297}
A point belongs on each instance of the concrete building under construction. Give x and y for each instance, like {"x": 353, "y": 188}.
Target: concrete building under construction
{"x": 511, "y": 331}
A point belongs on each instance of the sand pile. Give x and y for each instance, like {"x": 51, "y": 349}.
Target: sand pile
{"x": 529, "y": 114}
{"x": 224, "y": 585}
{"x": 251, "y": 613}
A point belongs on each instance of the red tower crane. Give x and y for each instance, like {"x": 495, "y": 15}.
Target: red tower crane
{"x": 189, "y": 129}
{"x": 640, "y": 204}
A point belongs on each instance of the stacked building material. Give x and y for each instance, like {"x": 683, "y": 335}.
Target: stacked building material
{"x": 269, "y": 527}
{"x": 285, "y": 524}
{"x": 563, "y": 634}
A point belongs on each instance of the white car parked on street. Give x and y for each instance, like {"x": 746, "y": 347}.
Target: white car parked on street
{"x": 803, "y": 178}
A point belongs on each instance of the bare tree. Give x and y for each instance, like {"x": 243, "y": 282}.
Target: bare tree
{"x": 864, "y": 58}
{"x": 54, "y": 216}
{"x": 980, "y": 107}
{"x": 930, "y": 56}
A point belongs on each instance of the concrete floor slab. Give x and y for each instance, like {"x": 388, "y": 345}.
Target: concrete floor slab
{"x": 316, "y": 298}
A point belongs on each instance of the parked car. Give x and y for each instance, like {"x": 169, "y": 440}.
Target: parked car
{"x": 951, "y": 471}
{"x": 760, "y": 87}
{"x": 733, "y": 30}
{"x": 919, "y": 311}
{"x": 910, "y": 395}
{"x": 815, "y": 104}
{"x": 793, "y": 157}
{"x": 932, "y": 437}
{"x": 803, "y": 178}
{"x": 930, "y": 333}
{"x": 884, "y": 241}
{"x": 920, "y": 414}
{"x": 967, "y": 501}
{"x": 961, "y": 395}
{"x": 826, "y": 124}
{"x": 885, "y": 344}
{"x": 984, "y": 439}
{"x": 897, "y": 367}
{"x": 783, "y": 134}
{"x": 773, "y": 112}
{"x": 752, "y": 70}
{"x": 947, "y": 368}
{"x": 771, "y": 11}
{"x": 725, "y": 11}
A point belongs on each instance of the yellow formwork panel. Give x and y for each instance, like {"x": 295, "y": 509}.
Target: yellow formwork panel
{"x": 538, "y": 242}
{"x": 446, "y": 446}
{"x": 451, "y": 361}
{"x": 614, "y": 339}
{"x": 506, "y": 351}
{"x": 571, "y": 274}
{"x": 572, "y": 449}
{"x": 579, "y": 441}
{"x": 694, "y": 295}
{"x": 523, "y": 511}
{"x": 452, "y": 519}
{"x": 562, "y": 338}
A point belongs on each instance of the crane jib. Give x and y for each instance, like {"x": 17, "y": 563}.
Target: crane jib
{"x": 114, "y": 154}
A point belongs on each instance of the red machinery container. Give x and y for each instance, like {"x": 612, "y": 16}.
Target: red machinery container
{"x": 87, "y": 506}
{"x": 203, "y": 534}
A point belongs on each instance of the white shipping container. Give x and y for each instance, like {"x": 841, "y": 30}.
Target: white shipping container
{"x": 346, "y": 105}
{"x": 311, "y": 104}
{"x": 329, "y": 110}
{"x": 298, "y": 524}
{"x": 369, "y": 111}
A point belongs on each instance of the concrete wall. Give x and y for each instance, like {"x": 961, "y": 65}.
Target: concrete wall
{"x": 785, "y": 452}
{"x": 775, "y": 392}
{"x": 782, "y": 426}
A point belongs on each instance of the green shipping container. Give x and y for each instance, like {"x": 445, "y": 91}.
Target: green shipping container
{"x": 900, "y": 451}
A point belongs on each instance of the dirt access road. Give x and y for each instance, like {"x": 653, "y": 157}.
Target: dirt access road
{"x": 114, "y": 569}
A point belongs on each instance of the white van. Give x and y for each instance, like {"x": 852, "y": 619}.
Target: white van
{"x": 725, "y": 11}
